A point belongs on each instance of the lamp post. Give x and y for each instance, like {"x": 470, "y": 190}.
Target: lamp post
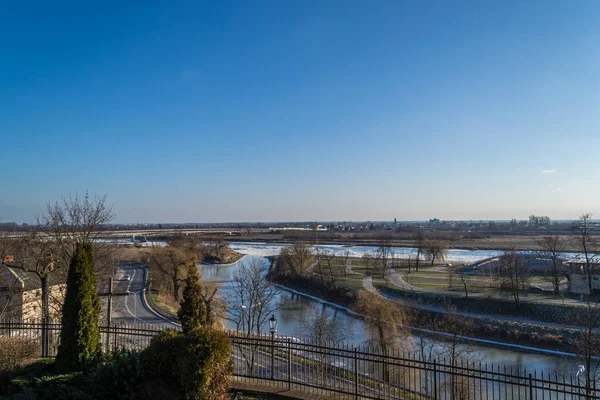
{"x": 273, "y": 329}
{"x": 243, "y": 316}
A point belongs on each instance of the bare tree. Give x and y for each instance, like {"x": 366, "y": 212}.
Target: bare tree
{"x": 78, "y": 219}
{"x": 586, "y": 244}
{"x": 552, "y": 248}
{"x": 513, "y": 273}
{"x": 346, "y": 262}
{"x": 32, "y": 254}
{"x": 454, "y": 350}
{"x": 171, "y": 263}
{"x": 325, "y": 260}
{"x": 367, "y": 260}
{"x": 435, "y": 250}
{"x": 12, "y": 284}
{"x": 217, "y": 248}
{"x": 385, "y": 318}
{"x": 253, "y": 298}
{"x": 587, "y": 344}
{"x": 320, "y": 266}
{"x": 75, "y": 219}
{"x": 296, "y": 259}
{"x": 322, "y": 328}
{"x": 212, "y": 304}
{"x": 419, "y": 240}
{"x": 383, "y": 255}
{"x": 463, "y": 280}
{"x": 250, "y": 303}
{"x": 191, "y": 244}
{"x": 451, "y": 273}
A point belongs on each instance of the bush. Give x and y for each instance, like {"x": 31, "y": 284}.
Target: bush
{"x": 159, "y": 357}
{"x": 197, "y": 363}
{"x": 38, "y": 381}
{"x": 16, "y": 351}
{"x": 118, "y": 376}
{"x": 207, "y": 367}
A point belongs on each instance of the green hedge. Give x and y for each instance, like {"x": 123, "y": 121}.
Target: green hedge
{"x": 191, "y": 366}
{"x": 198, "y": 363}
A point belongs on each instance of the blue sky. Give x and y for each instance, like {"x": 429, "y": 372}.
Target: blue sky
{"x": 302, "y": 110}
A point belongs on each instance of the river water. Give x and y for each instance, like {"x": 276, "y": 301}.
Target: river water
{"x": 297, "y": 306}
{"x": 454, "y": 255}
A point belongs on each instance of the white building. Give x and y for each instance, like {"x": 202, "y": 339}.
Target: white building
{"x": 578, "y": 275}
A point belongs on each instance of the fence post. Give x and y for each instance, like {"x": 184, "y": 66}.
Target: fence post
{"x": 289, "y": 364}
{"x": 434, "y": 379}
{"x": 530, "y": 388}
{"x": 355, "y": 374}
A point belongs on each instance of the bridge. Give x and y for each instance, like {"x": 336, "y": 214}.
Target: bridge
{"x": 128, "y": 233}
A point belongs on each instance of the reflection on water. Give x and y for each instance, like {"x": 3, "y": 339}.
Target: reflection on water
{"x": 296, "y": 307}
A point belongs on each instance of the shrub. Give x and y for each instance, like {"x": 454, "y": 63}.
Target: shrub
{"x": 207, "y": 367}
{"x": 38, "y": 381}
{"x": 118, "y": 377}
{"x": 159, "y": 357}
{"x": 16, "y": 351}
{"x": 198, "y": 363}
{"x": 80, "y": 336}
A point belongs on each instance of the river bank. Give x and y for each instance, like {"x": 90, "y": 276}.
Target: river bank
{"x": 428, "y": 322}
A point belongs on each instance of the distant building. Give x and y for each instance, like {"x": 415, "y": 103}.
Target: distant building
{"x": 578, "y": 276}
{"x": 21, "y": 294}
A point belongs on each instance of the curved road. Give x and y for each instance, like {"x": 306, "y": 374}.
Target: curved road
{"x": 133, "y": 309}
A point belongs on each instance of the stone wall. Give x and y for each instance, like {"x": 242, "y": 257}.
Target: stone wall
{"x": 32, "y": 302}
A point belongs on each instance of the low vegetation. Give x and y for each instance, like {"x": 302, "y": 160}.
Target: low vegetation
{"x": 16, "y": 351}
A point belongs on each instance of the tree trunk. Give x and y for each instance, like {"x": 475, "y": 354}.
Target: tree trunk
{"x": 555, "y": 278}
{"x": 464, "y": 282}
{"x": 176, "y": 286}
{"x": 45, "y": 298}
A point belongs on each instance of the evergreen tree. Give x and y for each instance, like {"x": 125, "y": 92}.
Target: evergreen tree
{"x": 192, "y": 311}
{"x": 80, "y": 336}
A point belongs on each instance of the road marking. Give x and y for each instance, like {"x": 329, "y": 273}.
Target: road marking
{"x": 136, "y": 295}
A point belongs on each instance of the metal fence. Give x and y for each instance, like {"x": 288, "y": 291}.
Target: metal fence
{"x": 118, "y": 335}
{"x": 344, "y": 372}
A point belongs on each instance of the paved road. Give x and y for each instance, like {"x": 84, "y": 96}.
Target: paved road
{"x": 133, "y": 308}
{"x": 398, "y": 281}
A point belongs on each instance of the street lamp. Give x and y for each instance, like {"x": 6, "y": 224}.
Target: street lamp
{"x": 243, "y": 316}
{"x": 273, "y": 325}
{"x": 273, "y": 329}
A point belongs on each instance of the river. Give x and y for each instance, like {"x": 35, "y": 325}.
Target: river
{"x": 296, "y": 307}
{"x": 453, "y": 255}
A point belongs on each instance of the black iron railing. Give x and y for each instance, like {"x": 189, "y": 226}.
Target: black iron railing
{"x": 342, "y": 371}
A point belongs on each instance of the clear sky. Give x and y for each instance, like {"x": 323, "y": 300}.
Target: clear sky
{"x": 302, "y": 110}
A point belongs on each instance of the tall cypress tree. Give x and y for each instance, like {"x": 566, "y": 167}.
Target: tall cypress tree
{"x": 192, "y": 311}
{"x": 80, "y": 336}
